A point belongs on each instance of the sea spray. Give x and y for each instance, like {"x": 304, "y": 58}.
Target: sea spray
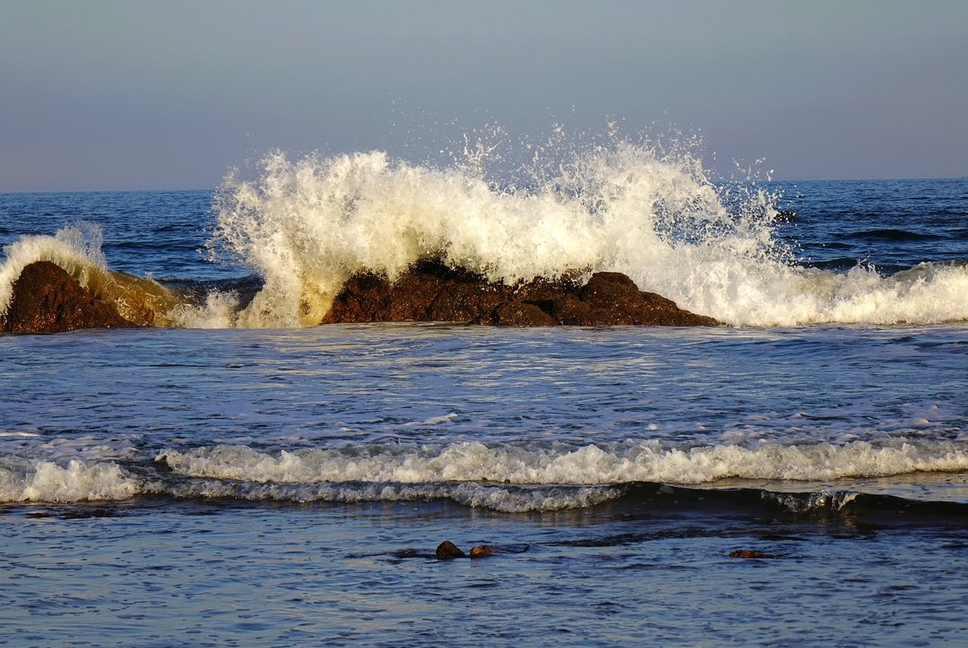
{"x": 307, "y": 226}
{"x": 654, "y": 214}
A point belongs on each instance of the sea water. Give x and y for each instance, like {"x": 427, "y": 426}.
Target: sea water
{"x": 246, "y": 478}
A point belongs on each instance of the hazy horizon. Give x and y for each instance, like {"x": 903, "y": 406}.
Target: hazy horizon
{"x": 112, "y": 95}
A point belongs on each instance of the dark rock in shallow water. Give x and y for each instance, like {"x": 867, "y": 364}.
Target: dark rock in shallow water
{"x": 447, "y": 550}
{"x": 482, "y": 551}
{"x": 750, "y": 554}
{"x": 432, "y": 292}
{"x": 46, "y": 299}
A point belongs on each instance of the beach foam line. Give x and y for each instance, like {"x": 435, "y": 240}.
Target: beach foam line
{"x": 587, "y": 465}
{"x": 501, "y": 478}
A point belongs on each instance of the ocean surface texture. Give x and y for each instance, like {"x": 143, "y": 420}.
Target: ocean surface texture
{"x": 243, "y": 477}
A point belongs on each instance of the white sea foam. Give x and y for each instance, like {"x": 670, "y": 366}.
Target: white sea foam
{"x": 307, "y": 225}
{"x": 591, "y": 464}
{"x": 492, "y": 496}
{"x": 77, "y": 481}
{"x": 502, "y": 478}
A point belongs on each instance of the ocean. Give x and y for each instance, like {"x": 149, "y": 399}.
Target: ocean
{"x": 243, "y": 477}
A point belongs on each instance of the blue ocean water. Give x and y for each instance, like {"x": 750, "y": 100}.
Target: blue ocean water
{"x": 245, "y": 479}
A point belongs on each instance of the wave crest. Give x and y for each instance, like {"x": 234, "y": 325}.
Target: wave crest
{"x": 591, "y": 464}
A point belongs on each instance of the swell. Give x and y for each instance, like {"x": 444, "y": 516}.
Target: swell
{"x": 893, "y": 234}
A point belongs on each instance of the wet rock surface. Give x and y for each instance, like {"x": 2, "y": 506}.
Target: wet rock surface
{"x": 432, "y": 292}
{"x": 447, "y": 550}
{"x": 46, "y": 299}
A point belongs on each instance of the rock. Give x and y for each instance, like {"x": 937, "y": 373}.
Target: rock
{"x": 430, "y": 291}
{"x": 519, "y": 314}
{"x": 46, "y": 299}
{"x": 447, "y": 550}
{"x": 481, "y": 551}
{"x": 364, "y": 298}
{"x": 750, "y": 553}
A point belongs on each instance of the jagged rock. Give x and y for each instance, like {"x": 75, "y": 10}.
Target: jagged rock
{"x": 432, "y": 292}
{"x": 46, "y": 299}
{"x": 520, "y": 314}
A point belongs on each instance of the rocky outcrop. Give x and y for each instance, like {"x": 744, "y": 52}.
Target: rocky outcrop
{"x": 432, "y": 292}
{"x": 46, "y": 299}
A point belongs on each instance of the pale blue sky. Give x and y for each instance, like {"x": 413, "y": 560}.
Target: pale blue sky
{"x": 116, "y": 94}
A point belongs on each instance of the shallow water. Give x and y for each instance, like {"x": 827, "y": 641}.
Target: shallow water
{"x": 211, "y": 575}
{"x": 210, "y": 561}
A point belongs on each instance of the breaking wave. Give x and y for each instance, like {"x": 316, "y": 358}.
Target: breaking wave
{"x": 501, "y": 478}
{"x": 304, "y": 226}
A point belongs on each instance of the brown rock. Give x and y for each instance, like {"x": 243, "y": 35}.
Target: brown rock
{"x": 518, "y": 314}
{"x": 432, "y": 292}
{"x": 46, "y": 299}
{"x": 364, "y": 298}
{"x": 447, "y": 550}
{"x": 612, "y": 298}
{"x": 750, "y": 553}
{"x": 481, "y": 551}
{"x": 464, "y": 301}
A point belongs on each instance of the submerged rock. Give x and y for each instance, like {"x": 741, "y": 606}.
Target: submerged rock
{"x": 750, "y": 554}
{"x": 481, "y": 551}
{"x": 447, "y": 550}
{"x": 433, "y": 292}
{"x": 46, "y": 299}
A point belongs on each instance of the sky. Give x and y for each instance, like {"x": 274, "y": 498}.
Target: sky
{"x": 133, "y": 94}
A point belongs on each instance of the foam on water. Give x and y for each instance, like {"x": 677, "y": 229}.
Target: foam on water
{"x": 647, "y": 461}
{"x": 502, "y": 478}
{"x": 77, "y": 481}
